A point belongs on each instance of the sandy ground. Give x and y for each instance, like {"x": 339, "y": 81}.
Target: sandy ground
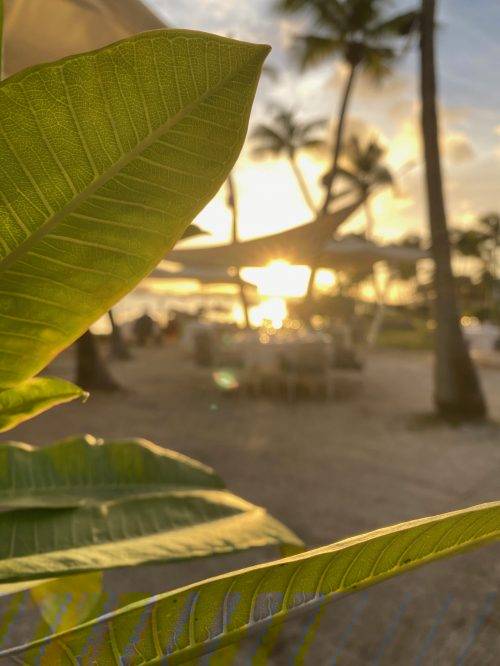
{"x": 328, "y": 470}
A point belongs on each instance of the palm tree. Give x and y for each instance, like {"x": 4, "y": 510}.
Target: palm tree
{"x": 232, "y": 204}
{"x": 364, "y": 38}
{"x": 118, "y": 347}
{"x": 362, "y": 166}
{"x": 361, "y": 35}
{"x": 92, "y": 372}
{"x": 458, "y": 392}
{"x": 286, "y": 136}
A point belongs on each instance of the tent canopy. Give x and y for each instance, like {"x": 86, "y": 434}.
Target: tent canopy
{"x": 297, "y": 246}
{"x": 203, "y": 275}
{"x": 37, "y": 31}
{"x": 352, "y": 251}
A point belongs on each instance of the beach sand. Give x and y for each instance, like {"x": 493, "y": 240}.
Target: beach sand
{"x": 328, "y": 469}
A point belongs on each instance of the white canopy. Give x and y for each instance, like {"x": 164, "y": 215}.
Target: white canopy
{"x": 37, "y": 31}
{"x": 352, "y": 251}
{"x": 297, "y": 246}
{"x": 205, "y": 275}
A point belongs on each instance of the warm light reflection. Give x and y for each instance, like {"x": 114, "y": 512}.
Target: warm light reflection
{"x": 271, "y": 311}
{"x": 325, "y": 279}
{"x": 278, "y": 279}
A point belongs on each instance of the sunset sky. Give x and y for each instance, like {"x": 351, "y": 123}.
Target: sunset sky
{"x": 469, "y": 55}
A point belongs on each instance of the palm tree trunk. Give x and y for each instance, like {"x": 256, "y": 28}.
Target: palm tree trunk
{"x": 339, "y": 135}
{"x": 232, "y": 202}
{"x": 92, "y": 373}
{"x": 370, "y": 220}
{"x": 331, "y": 177}
{"x": 303, "y": 185}
{"x": 119, "y": 349}
{"x": 458, "y": 392}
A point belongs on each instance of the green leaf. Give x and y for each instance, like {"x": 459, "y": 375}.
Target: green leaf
{"x": 106, "y": 157}
{"x": 33, "y": 397}
{"x": 181, "y": 625}
{"x": 66, "y": 602}
{"x": 81, "y": 505}
{"x": 85, "y": 470}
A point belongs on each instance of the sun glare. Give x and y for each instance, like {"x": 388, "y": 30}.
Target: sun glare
{"x": 272, "y": 310}
{"x": 325, "y": 280}
{"x": 279, "y": 279}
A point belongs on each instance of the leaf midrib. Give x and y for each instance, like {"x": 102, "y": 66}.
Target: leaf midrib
{"x": 140, "y": 147}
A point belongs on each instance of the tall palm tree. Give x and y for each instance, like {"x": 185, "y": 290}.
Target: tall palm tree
{"x": 118, "y": 347}
{"x": 361, "y": 164}
{"x": 286, "y": 136}
{"x": 232, "y": 204}
{"x": 457, "y": 392}
{"x": 360, "y": 34}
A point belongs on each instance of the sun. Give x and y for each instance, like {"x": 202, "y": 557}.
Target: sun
{"x": 279, "y": 279}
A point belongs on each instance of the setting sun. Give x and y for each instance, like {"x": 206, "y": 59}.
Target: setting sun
{"x": 279, "y": 279}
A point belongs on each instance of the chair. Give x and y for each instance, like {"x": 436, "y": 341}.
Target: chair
{"x": 307, "y": 364}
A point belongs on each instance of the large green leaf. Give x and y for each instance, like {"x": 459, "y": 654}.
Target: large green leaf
{"x": 85, "y": 470}
{"x": 33, "y": 397}
{"x": 81, "y": 505}
{"x": 105, "y": 158}
{"x": 181, "y": 625}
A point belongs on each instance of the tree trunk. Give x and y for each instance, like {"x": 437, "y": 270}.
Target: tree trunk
{"x": 370, "y": 220}
{"x": 92, "y": 374}
{"x": 332, "y": 175}
{"x": 119, "y": 348}
{"x": 457, "y": 393}
{"x": 339, "y": 136}
{"x": 232, "y": 203}
{"x": 303, "y": 185}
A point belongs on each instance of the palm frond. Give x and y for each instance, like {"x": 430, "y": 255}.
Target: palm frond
{"x": 314, "y": 125}
{"x": 314, "y": 145}
{"x": 377, "y": 61}
{"x": 314, "y": 49}
{"x": 402, "y": 25}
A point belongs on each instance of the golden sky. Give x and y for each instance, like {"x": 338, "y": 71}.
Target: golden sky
{"x": 470, "y": 117}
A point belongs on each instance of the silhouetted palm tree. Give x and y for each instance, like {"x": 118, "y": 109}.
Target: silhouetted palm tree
{"x": 232, "y": 204}
{"x": 118, "y": 347}
{"x": 361, "y": 164}
{"x": 286, "y": 136}
{"x": 359, "y": 33}
{"x": 457, "y": 392}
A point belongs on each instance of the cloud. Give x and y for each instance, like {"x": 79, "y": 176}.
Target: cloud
{"x": 458, "y": 148}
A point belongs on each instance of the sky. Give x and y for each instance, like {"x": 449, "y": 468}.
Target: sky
{"x": 468, "y": 61}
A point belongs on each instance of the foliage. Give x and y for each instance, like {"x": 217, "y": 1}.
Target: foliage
{"x": 33, "y": 397}
{"x": 354, "y": 29}
{"x": 194, "y": 620}
{"x": 361, "y": 164}
{"x": 416, "y": 338}
{"x": 98, "y": 185}
{"x": 287, "y": 136}
{"x": 83, "y": 504}
{"x": 480, "y": 296}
